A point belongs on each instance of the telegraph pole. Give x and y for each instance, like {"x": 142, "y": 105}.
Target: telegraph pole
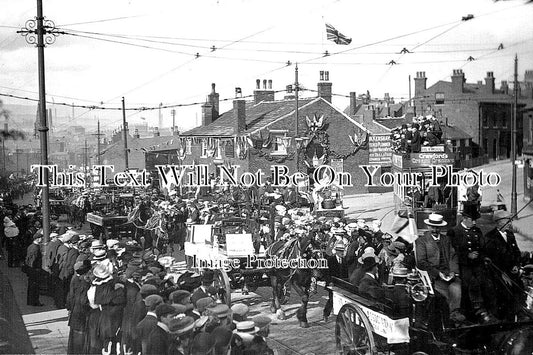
{"x": 513, "y": 137}
{"x": 173, "y": 112}
{"x": 98, "y": 135}
{"x": 297, "y": 135}
{"x": 41, "y": 32}
{"x": 85, "y": 162}
{"x": 125, "y": 130}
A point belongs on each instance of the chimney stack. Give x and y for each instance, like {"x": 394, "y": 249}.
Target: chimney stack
{"x": 210, "y": 109}
{"x": 489, "y": 83}
{"x": 528, "y": 76}
{"x": 353, "y": 103}
{"x": 289, "y": 95}
{"x": 528, "y": 92}
{"x": 265, "y": 94}
{"x": 458, "y": 81}
{"x": 324, "y": 86}
{"x": 239, "y": 106}
{"x": 420, "y": 83}
{"x": 504, "y": 87}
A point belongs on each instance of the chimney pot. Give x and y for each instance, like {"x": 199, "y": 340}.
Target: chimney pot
{"x": 270, "y": 85}
{"x": 258, "y": 84}
{"x": 264, "y": 84}
{"x": 326, "y": 75}
{"x": 321, "y": 75}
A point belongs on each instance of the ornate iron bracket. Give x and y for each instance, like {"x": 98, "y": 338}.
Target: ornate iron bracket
{"x": 30, "y": 31}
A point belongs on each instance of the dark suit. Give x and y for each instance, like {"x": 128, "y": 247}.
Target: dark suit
{"x": 473, "y": 271}
{"x": 128, "y": 321}
{"x": 369, "y": 286}
{"x": 505, "y": 255}
{"x": 416, "y": 142}
{"x": 78, "y": 306}
{"x": 197, "y": 294}
{"x": 143, "y": 330}
{"x": 33, "y": 267}
{"x": 435, "y": 258}
{"x": 158, "y": 342}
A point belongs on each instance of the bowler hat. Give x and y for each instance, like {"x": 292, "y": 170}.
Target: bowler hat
{"x": 369, "y": 263}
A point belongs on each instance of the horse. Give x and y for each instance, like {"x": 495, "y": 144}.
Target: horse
{"x": 300, "y": 279}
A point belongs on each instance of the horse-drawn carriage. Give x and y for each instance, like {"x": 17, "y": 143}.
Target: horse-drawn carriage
{"x": 410, "y": 321}
{"x": 107, "y": 226}
{"x": 227, "y": 248}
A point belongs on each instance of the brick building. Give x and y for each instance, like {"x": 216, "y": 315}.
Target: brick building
{"x": 259, "y": 133}
{"x": 528, "y": 151}
{"x": 479, "y": 109}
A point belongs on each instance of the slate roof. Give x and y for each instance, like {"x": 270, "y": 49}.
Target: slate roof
{"x": 257, "y": 116}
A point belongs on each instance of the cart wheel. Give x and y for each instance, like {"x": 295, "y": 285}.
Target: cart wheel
{"x": 222, "y": 285}
{"x": 353, "y": 332}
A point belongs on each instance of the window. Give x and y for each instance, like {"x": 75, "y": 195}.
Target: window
{"x": 188, "y": 147}
{"x": 503, "y": 119}
{"x": 485, "y": 121}
{"x": 280, "y": 142}
{"x": 204, "y": 149}
{"x": 439, "y": 98}
{"x": 530, "y": 136}
{"x": 279, "y": 145}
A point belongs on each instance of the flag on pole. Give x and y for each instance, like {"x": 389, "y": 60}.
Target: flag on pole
{"x": 336, "y": 36}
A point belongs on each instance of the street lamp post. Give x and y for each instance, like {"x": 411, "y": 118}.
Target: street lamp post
{"x": 41, "y": 32}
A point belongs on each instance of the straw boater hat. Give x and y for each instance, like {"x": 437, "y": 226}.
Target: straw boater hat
{"x": 246, "y": 327}
{"x": 435, "y": 220}
{"x": 102, "y": 274}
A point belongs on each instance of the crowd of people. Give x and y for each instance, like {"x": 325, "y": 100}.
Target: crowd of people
{"x": 123, "y": 294}
{"x": 410, "y": 137}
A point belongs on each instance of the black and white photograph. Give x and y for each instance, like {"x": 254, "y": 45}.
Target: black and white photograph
{"x": 242, "y": 177}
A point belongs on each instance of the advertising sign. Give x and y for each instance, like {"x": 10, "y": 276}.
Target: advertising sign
{"x": 379, "y": 150}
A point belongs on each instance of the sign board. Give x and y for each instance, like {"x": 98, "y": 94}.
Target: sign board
{"x": 396, "y": 331}
{"x": 95, "y": 219}
{"x": 397, "y": 160}
{"x": 201, "y": 233}
{"x": 239, "y": 245}
{"x": 425, "y": 159}
{"x": 379, "y": 150}
{"x": 435, "y": 148}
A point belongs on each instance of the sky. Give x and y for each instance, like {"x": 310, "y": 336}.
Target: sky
{"x": 253, "y": 39}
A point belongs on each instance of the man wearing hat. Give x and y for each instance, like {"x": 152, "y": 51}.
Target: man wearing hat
{"x": 501, "y": 250}
{"x": 159, "y": 339}
{"x": 466, "y": 239}
{"x": 33, "y": 265}
{"x": 181, "y": 330}
{"x": 207, "y": 280}
{"x": 436, "y": 255}
{"x": 369, "y": 285}
{"x": 148, "y": 323}
{"x": 78, "y": 307}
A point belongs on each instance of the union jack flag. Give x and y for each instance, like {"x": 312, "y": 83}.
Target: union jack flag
{"x": 336, "y": 36}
